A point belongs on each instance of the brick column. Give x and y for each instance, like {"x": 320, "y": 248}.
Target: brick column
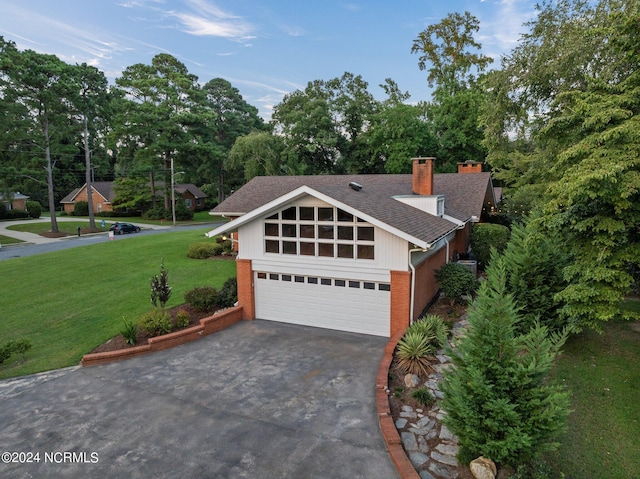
{"x": 246, "y": 296}
{"x": 400, "y": 301}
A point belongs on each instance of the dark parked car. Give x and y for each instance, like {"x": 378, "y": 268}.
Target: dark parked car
{"x": 122, "y": 228}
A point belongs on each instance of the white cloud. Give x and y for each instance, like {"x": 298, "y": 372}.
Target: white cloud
{"x": 501, "y": 33}
{"x": 205, "y": 19}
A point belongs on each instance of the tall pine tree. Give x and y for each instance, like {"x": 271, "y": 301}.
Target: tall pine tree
{"x": 497, "y": 400}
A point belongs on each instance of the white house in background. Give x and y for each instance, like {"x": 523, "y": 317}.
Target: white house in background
{"x": 350, "y": 252}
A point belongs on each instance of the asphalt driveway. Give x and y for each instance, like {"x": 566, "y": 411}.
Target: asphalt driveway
{"x": 258, "y": 400}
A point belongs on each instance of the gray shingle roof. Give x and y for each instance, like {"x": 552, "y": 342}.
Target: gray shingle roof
{"x": 464, "y": 197}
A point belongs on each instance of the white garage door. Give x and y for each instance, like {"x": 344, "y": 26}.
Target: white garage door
{"x": 333, "y": 303}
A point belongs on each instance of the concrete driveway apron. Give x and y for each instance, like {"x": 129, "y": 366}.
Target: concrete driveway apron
{"x": 258, "y": 400}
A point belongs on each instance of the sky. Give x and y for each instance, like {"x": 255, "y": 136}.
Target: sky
{"x": 266, "y": 48}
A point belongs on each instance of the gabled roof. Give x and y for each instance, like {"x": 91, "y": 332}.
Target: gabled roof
{"x": 464, "y": 198}
{"x": 105, "y": 189}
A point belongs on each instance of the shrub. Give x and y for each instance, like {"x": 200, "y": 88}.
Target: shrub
{"x": 156, "y": 322}
{"x": 182, "y": 212}
{"x": 413, "y": 353}
{"x": 3, "y": 210}
{"x": 130, "y": 332}
{"x": 182, "y": 319}
{"x": 204, "y": 298}
{"x": 228, "y": 293}
{"x": 498, "y": 400}
{"x": 15, "y": 214}
{"x": 157, "y": 213}
{"x": 456, "y": 280}
{"x": 34, "y": 209}
{"x": 160, "y": 289}
{"x": 204, "y": 250}
{"x": 423, "y": 396}
{"x": 484, "y": 237}
{"x": 20, "y": 347}
{"x": 433, "y": 327}
{"x": 81, "y": 208}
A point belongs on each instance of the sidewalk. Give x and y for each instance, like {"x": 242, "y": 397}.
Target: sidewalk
{"x": 33, "y": 238}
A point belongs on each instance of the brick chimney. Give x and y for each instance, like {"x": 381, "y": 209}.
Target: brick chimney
{"x": 423, "y": 176}
{"x": 472, "y": 167}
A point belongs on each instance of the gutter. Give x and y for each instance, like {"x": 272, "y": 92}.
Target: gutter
{"x": 413, "y": 278}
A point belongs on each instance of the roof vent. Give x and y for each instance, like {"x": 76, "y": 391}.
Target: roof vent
{"x": 355, "y": 186}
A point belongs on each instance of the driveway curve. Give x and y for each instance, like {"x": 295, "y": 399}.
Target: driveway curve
{"x": 258, "y": 400}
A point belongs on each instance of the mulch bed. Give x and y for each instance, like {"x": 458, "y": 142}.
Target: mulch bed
{"x": 116, "y": 343}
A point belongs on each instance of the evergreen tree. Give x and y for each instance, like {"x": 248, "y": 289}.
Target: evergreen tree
{"x": 497, "y": 400}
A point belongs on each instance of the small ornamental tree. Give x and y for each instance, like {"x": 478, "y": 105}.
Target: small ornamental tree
{"x": 160, "y": 289}
{"x": 485, "y": 237}
{"x": 498, "y": 401}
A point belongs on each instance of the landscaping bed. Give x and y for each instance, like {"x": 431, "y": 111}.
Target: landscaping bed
{"x": 118, "y": 342}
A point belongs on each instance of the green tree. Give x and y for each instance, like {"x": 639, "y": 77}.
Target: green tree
{"x": 155, "y": 111}
{"x": 447, "y": 52}
{"x": 497, "y": 398}
{"x": 398, "y": 131}
{"x": 595, "y": 203}
{"x": 323, "y": 126}
{"x": 534, "y": 262}
{"x": 258, "y": 154}
{"x": 40, "y": 88}
{"x": 222, "y": 117}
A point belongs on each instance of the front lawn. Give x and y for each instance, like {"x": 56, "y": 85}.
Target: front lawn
{"x": 68, "y": 302}
{"x": 8, "y": 240}
{"x": 603, "y": 436}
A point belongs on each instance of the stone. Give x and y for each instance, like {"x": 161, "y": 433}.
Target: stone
{"x": 442, "y": 471}
{"x": 425, "y": 475}
{"x": 444, "y": 458}
{"x": 422, "y": 444}
{"x": 407, "y": 408}
{"x": 407, "y": 414}
{"x": 446, "y": 435}
{"x": 409, "y": 441}
{"x": 417, "y": 458}
{"x": 483, "y": 468}
{"x": 411, "y": 381}
{"x": 448, "y": 449}
{"x": 426, "y": 423}
{"x": 401, "y": 423}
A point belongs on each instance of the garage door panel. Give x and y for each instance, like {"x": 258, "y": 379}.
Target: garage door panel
{"x": 328, "y": 306}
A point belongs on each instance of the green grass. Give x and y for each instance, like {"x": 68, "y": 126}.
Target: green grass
{"x": 69, "y": 227}
{"x": 68, "y": 302}
{"x": 603, "y": 435}
{"x": 7, "y": 240}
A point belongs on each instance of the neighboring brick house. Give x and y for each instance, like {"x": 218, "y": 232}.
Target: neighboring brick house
{"x": 350, "y": 252}
{"x": 18, "y": 201}
{"x": 103, "y": 196}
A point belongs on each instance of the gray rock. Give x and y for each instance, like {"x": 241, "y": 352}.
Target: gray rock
{"x": 409, "y": 441}
{"x": 426, "y": 423}
{"x": 446, "y": 435}
{"x": 401, "y": 423}
{"x": 425, "y": 475}
{"x": 407, "y": 408}
{"x": 407, "y": 414}
{"x": 448, "y": 449}
{"x": 422, "y": 444}
{"x": 417, "y": 458}
{"x": 443, "y": 471}
{"x": 444, "y": 458}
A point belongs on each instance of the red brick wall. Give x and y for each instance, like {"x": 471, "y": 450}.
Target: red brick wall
{"x": 400, "y": 300}
{"x": 426, "y": 286}
{"x": 460, "y": 243}
{"x": 96, "y": 198}
{"x": 469, "y": 167}
{"x": 246, "y": 296}
{"x": 422, "y": 176}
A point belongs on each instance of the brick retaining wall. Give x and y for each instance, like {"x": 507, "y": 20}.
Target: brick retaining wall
{"x": 209, "y": 325}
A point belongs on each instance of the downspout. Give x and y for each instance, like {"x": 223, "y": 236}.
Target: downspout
{"x": 413, "y": 279}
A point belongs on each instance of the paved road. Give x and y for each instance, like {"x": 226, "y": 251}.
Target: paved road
{"x": 258, "y": 400}
{"x": 36, "y": 244}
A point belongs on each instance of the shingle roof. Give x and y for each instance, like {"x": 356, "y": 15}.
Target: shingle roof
{"x": 464, "y": 197}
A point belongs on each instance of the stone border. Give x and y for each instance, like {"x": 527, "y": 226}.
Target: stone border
{"x": 387, "y": 426}
{"x": 209, "y": 325}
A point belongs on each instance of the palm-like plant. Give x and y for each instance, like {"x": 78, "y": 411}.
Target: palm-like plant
{"x": 414, "y": 353}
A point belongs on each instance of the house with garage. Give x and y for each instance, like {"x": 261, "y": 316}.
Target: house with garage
{"x": 350, "y": 252}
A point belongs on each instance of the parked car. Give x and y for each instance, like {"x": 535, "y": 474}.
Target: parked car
{"x": 122, "y": 228}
